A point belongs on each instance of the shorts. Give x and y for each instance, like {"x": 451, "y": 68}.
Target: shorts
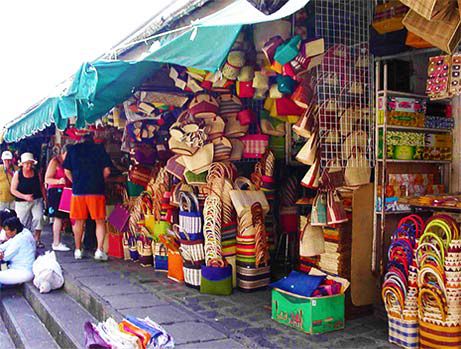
{"x": 82, "y": 205}
{"x": 53, "y": 200}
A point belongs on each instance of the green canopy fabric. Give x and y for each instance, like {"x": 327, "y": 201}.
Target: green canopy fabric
{"x": 35, "y": 120}
{"x": 99, "y": 86}
{"x": 199, "y": 47}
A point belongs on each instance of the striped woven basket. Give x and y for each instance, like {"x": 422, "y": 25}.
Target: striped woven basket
{"x": 192, "y": 276}
{"x": 439, "y": 336}
{"x": 403, "y": 333}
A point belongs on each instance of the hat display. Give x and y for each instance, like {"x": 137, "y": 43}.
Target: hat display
{"x": 7, "y": 155}
{"x": 26, "y": 157}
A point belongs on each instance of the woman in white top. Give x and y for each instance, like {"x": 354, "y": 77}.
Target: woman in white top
{"x": 18, "y": 251}
{"x": 4, "y": 215}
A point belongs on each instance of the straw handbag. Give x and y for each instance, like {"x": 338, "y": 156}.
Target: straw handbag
{"x": 311, "y": 241}
{"x": 307, "y": 122}
{"x": 190, "y": 218}
{"x": 319, "y": 210}
{"x": 308, "y": 152}
{"x": 312, "y": 178}
{"x": 335, "y": 209}
{"x": 357, "y": 170}
{"x": 201, "y": 160}
{"x": 242, "y": 199}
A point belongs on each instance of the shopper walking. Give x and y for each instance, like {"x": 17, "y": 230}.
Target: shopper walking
{"x": 88, "y": 165}
{"x": 6, "y": 176}
{"x": 56, "y": 180}
{"x": 18, "y": 251}
{"x": 26, "y": 187}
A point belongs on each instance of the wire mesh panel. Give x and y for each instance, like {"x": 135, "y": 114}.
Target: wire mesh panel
{"x": 344, "y": 87}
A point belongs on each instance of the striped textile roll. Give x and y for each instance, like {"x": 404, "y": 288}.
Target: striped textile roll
{"x": 403, "y": 333}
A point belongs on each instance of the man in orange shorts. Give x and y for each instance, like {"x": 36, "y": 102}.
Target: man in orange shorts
{"x": 88, "y": 165}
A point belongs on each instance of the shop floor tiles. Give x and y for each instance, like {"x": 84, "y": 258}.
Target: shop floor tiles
{"x": 196, "y": 320}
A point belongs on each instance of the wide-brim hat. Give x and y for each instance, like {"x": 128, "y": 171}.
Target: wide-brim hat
{"x": 26, "y": 157}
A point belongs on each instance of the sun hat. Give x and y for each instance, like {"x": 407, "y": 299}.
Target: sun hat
{"x": 26, "y": 157}
{"x": 6, "y": 155}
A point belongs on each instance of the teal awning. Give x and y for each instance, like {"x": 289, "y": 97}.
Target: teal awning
{"x": 199, "y": 47}
{"x": 99, "y": 86}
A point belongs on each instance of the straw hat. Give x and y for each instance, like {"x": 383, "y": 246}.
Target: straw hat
{"x": 26, "y": 157}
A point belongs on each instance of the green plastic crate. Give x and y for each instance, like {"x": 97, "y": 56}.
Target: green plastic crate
{"x": 308, "y": 314}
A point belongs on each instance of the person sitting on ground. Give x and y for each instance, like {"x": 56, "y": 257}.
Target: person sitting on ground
{"x": 18, "y": 251}
{"x": 4, "y": 215}
{"x": 56, "y": 180}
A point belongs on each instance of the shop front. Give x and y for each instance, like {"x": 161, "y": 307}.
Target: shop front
{"x": 245, "y": 149}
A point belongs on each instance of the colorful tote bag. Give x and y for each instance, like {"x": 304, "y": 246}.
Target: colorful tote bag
{"x": 66, "y": 198}
{"x": 216, "y": 280}
{"x": 190, "y": 218}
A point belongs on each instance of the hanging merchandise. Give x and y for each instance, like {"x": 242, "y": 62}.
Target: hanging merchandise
{"x": 438, "y": 77}
{"x": 357, "y": 171}
{"x": 388, "y": 16}
{"x": 308, "y": 153}
{"x": 443, "y": 31}
{"x": 429, "y": 9}
{"x": 311, "y": 241}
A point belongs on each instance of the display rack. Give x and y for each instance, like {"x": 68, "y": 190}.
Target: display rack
{"x": 381, "y": 170}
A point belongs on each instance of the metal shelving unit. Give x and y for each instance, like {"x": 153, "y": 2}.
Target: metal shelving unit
{"x": 420, "y": 129}
{"x": 418, "y": 161}
{"x": 381, "y": 171}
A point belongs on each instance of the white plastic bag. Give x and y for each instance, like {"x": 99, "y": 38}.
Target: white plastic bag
{"x": 47, "y": 273}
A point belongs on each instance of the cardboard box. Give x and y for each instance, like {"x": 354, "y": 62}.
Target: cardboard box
{"x": 311, "y": 315}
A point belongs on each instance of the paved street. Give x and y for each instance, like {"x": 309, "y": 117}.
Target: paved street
{"x": 240, "y": 320}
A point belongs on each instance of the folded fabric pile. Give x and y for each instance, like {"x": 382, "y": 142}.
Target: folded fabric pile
{"x": 336, "y": 258}
{"x": 131, "y": 333}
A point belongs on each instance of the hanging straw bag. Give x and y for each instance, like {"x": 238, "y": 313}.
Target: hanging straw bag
{"x": 319, "y": 210}
{"x": 311, "y": 241}
{"x": 201, "y": 160}
{"x": 357, "y": 170}
{"x": 312, "y": 177}
{"x": 335, "y": 209}
{"x": 255, "y": 145}
{"x": 308, "y": 152}
{"x": 244, "y": 199}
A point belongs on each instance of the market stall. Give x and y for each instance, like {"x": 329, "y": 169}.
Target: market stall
{"x": 248, "y": 152}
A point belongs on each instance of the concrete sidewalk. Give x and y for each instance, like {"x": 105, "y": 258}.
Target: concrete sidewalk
{"x": 242, "y": 320}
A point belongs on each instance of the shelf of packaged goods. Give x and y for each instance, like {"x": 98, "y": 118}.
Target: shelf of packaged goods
{"x": 400, "y": 94}
{"x": 418, "y": 161}
{"x": 394, "y": 212}
{"x": 420, "y": 129}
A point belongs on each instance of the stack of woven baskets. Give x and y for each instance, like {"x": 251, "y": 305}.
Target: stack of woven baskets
{"x": 422, "y": 287}
{"x": 439, "y": 281}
